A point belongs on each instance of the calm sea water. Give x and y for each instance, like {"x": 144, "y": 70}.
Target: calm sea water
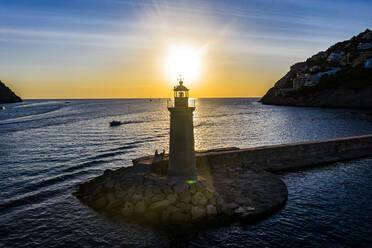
{"x": 48, "y": 146}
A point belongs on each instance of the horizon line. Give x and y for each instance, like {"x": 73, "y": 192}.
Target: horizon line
{"x": 113, "y": 98}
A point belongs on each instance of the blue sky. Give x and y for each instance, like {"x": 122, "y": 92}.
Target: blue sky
{"x": 46, "y": 43}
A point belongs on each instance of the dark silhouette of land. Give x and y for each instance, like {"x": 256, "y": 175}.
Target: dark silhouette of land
{"x": 7, "y": 95}
{"x": 341, "y": 76}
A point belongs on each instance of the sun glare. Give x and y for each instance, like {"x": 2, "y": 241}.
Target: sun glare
{"x": 184, "y": 61}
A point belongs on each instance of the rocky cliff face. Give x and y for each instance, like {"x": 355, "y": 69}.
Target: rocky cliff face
{"x": 7, "y": 95}
{"x": 341, "y": 76}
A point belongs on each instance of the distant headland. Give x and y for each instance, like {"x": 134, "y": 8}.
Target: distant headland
{"x": 341, "y": 76}
{"x": 7, "y": 95}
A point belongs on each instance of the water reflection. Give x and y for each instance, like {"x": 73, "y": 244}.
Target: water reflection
{"x": 46, "y": 147}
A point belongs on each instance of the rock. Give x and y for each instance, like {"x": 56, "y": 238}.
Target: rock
{"x": 137, "y": 197}
{"x": 107, "y": 172}
{"x": 174, "y": 215}
{"x": 166, "y": 189}
{"x": 157, "y": 194}
{"x": 152, "y": 217}
{"x": 113, "y": 205}
{"x": 127, "y": 210}
{"x": 160, "y": 205}
{"x": 229, "y": 208}
{"x": 7, "y": 95}
{"x": 298, "y": 66}
{"x": 211, "y": 210}
{"x": 166, "y": 216}
{"x": 197, "y": 213}
{"x": 140, "y": 207}
{"x": 180, "y": 187}
{"x": 111, "y": 197}
{"x": 184, "y": 196}
{"x": 193, "y": 188}
{"x": 243, "y": 201}
{"x": 179, "y": 217}
{"x": 117, "y": 187}
{"x": 220, "y": 202}
{"x": 130, "y": 192}
{"x": 358, "y": 61}
{"x": 112, "y": 202}
{"x": 97, "y": 190}
{"x": 185, "y": 207}
{"x": 208, "y": 194}
{"x": 110, "y": 184}
{"x": 148, "y": 192}
{"x": 239, "y": 211}
{"x": 121, "y": 194}
{"x": 100, "y": 202}
{"x": 198, "y": 199}
{"x": 157, "y": 197}
{"x": 172, "y": 198}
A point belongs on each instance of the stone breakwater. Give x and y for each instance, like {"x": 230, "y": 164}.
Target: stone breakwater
{"x": 233, "y": 184}
{"x": 137, "y": 194}
{"x": 276, "y": 158}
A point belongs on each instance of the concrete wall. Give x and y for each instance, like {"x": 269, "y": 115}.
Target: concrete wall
{"x": 294, "y": 155}
{"x": 283, "y": 157}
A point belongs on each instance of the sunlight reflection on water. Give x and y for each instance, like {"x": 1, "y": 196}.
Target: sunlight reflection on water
{"x": 47, "y": 147}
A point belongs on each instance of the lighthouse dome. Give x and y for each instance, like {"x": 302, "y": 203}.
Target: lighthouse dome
{"x": 180, "y": 87}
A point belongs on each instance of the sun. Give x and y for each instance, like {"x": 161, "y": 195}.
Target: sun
{"x": 184, "y": 61}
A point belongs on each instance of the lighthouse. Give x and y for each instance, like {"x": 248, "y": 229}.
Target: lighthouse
{"x": 182, "y": 162}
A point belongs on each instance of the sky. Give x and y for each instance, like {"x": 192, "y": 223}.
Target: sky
{"x": 122, "y": 48}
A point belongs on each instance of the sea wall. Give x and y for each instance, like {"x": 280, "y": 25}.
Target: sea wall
{"x": 233, "y": 184}
{"x": 279, "y": 157}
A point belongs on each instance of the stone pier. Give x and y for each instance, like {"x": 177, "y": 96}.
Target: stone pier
{"x": 233, "y": 184}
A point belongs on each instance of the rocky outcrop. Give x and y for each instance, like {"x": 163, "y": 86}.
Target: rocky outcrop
{"x": 148, "y": 198}
{"x": 220, "y": 195}
{"x": 341, "y": 76}
{"x": 332, "y": 98}
{"x": 7, "y": 95}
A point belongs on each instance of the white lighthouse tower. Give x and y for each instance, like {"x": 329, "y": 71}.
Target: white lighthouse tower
{"x": 182, "y": 162}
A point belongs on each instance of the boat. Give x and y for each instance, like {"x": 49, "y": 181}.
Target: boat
{"x": 115, "y": 123}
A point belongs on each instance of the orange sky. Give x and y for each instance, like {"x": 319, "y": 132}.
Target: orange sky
{"x": 118, "y": 49}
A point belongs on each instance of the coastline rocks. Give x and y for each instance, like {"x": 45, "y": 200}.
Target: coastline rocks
{"x": 7, "y": 95}
{"x": 333, "y": 98}
{"x": 233, "y": 193}
{"x": 149, "y": 199}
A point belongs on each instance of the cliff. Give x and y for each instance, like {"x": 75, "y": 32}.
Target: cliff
{"x": 341, "y": 76}
{"x": 7, "y": 95}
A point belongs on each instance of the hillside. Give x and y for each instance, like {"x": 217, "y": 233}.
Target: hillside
{"x": 7, "y": 95}
{"x": 341, "y": 76}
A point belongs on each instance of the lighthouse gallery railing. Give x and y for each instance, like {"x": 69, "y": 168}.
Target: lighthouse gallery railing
{"x": 170, "y": 103}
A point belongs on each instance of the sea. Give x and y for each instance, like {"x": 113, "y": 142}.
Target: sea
{"x": 47, "y": 147}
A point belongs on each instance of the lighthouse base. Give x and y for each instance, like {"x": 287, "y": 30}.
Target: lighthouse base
{"x": 218, "y": 196}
